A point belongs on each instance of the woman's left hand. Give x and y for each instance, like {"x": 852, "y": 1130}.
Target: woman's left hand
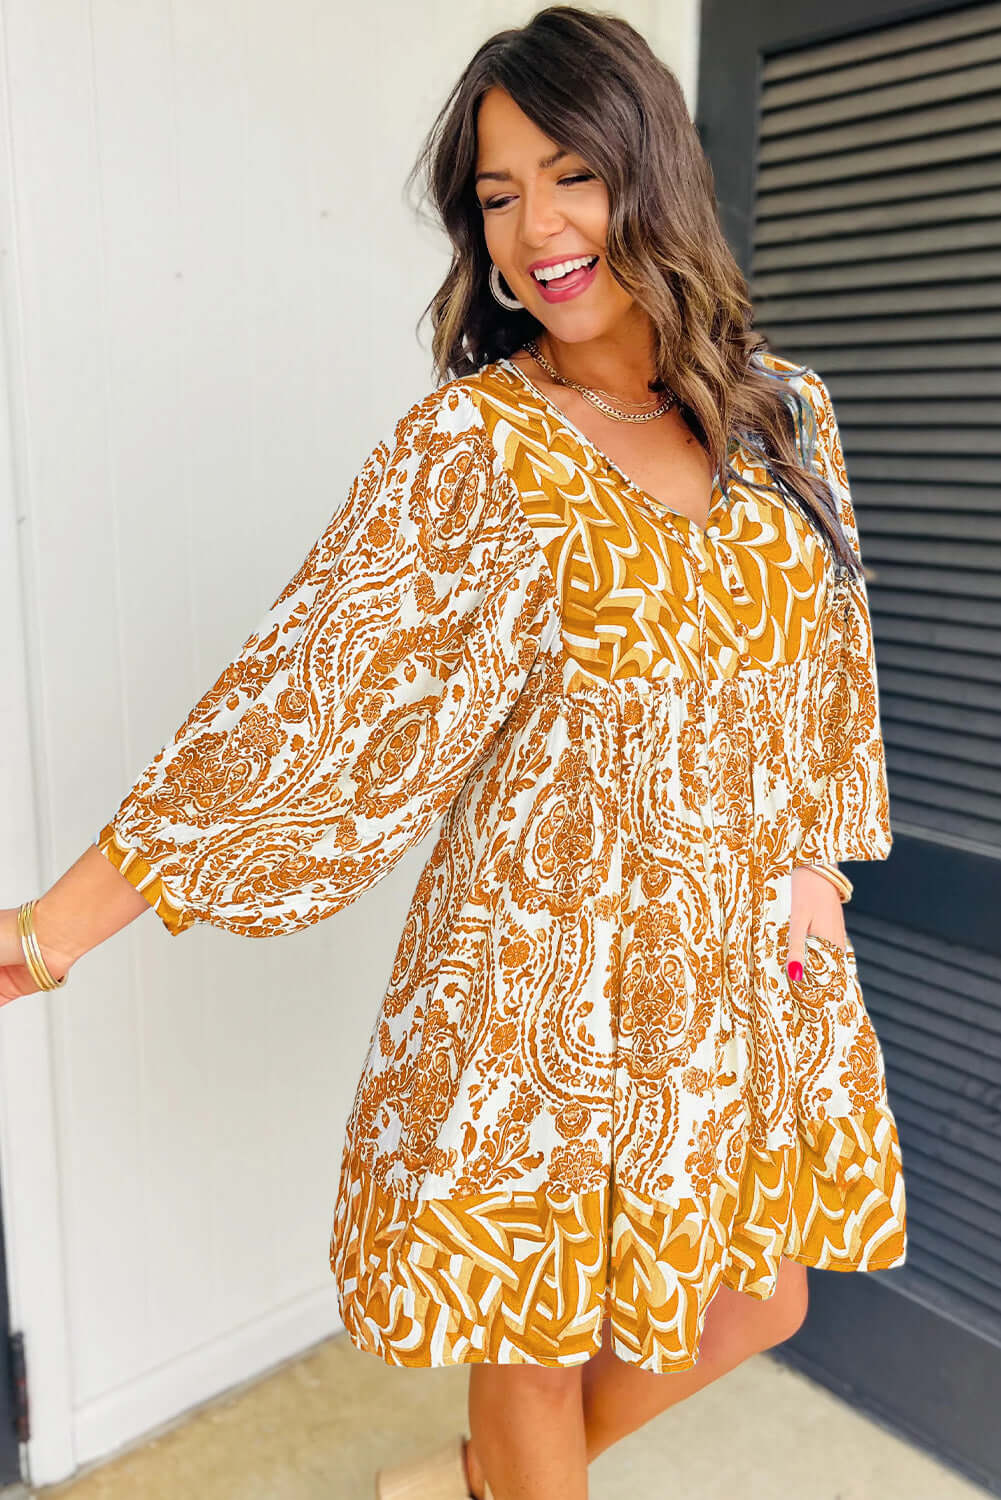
{"x": 816, "y": 907}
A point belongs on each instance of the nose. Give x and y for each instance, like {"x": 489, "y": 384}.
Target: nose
{"x": 541, "y": 216}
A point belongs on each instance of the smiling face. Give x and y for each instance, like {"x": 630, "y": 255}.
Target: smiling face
{"x": 542, "y": 206}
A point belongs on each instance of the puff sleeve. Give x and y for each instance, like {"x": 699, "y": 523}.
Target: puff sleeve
{"x": 852, "y": 817}
{"x": 352, "y": 716}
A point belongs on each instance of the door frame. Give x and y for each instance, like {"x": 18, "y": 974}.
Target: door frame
{"x": 32, "y": 1264}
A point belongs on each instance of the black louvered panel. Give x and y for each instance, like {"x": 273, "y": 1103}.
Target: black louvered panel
{"x": 970, "y": 418}
{"x": 969, "y": 359}
{"x": 929, "y": 522}
{"x": 857, "y": 160}
{"x": 954, "y": 1225}
{"x": 843, "y": 303}
{"x": 941, "y": 500}
{"x": 937, "y": 1011}
{"x": 877, "y": 260}
{"x": 975, "y": 434}
{"x": 822, "y": 194}
{"x": 836, "y": 279}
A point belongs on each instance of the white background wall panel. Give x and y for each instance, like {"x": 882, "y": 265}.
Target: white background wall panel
{"x": 211, "y": 279}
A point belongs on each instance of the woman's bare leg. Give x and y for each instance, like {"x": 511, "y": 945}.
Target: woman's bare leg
{"x": 534, "y": 1430}
{"x": 619, "y": 1397}
{"x": 526, "y": 1427}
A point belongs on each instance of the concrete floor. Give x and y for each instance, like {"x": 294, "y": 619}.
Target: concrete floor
{"x": 318, "y": 1426}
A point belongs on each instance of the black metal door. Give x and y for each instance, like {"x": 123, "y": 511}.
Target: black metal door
{"x": 10, "y": 1471}
{"x": 857, "y": 158}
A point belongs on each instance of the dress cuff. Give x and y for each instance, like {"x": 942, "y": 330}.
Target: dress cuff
{"x": 147, "y": 881}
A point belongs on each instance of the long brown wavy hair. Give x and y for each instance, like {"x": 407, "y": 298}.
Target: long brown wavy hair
{"x": 592, "y": 83}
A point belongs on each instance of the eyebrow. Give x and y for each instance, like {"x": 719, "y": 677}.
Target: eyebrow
{"x": 545, "y": 162}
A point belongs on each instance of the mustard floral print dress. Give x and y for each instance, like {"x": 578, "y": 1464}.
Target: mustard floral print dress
{"x": 591, "y": 1088}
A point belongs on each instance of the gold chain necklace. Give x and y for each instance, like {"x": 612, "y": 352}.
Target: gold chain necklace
{"x": 591, "y": 392}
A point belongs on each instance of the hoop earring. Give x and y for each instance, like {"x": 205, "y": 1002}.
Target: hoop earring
{"x": 512, "y": 304}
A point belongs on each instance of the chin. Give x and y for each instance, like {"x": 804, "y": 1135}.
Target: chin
{"x": 579, "y": 330}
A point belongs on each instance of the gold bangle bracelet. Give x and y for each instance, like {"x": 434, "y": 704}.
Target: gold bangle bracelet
{"x": 837, "y": 878}
{"x": 40, "y": 972}
{"x": 834, "y": 875}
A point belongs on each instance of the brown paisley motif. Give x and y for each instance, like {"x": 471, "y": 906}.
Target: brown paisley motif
{"x": 657, "y": 999}
{"x": 213, "y": 772}
{"x": 435, "y": 1083}
{"x": 709, "y": 1144}
{"x": 292, "y": 704}
{"x": 576, "y": 1166}
{"x": 561, "y": 857}
{"x": 573, "y": 1119}
{"x": 398, "y": 757}
{"x": 864, "y": 1076}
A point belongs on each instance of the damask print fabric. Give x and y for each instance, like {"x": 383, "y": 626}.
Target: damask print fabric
{"x": 591, "y": 1088}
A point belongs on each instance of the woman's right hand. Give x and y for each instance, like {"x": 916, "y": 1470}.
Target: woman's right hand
{"x": 15, "y": 976}
{"x": 89, "y": 902}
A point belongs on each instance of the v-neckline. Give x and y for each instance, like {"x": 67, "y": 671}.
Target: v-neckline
{"x": 644, "y": 496}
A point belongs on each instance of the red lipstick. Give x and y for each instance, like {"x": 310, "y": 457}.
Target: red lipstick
{"x": 562, "y": 288}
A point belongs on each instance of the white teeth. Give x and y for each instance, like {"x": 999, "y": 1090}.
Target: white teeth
{"x": 548, "y": 273}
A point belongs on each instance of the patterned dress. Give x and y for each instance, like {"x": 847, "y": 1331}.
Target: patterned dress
{"x": 591, "y": 1088}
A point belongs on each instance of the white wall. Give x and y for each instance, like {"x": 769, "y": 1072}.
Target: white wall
{"x": 210, "y": 282}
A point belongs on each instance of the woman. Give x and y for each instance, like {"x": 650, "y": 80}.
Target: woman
{"x": 597, "y": 601}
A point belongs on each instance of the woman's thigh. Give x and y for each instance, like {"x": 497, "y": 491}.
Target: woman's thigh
{"x": 619, "y": 1397}
{"x": 736, "y": 1321}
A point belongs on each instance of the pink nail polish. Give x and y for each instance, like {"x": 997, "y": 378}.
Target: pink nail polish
{"x": 795, "y": 969}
